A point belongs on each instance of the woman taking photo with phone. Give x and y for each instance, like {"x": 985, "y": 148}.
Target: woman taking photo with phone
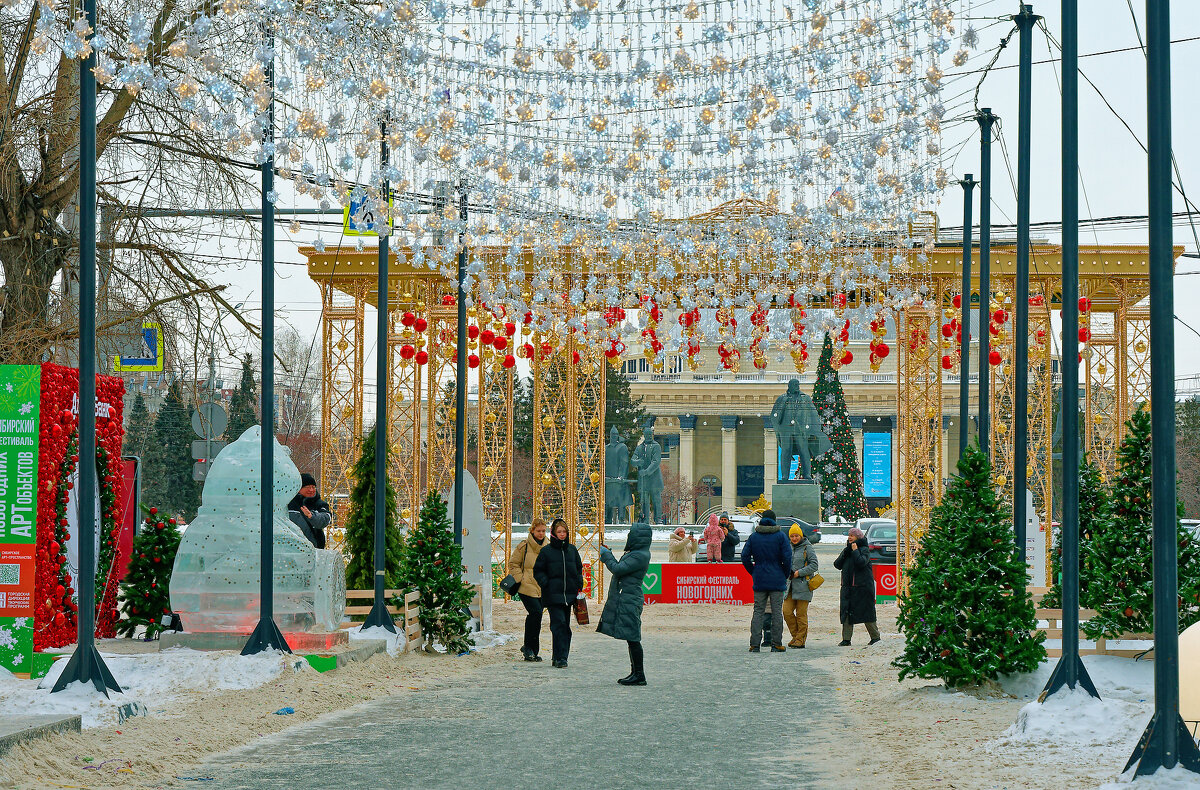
{"x": 558, "y": 570}
{"x": 622, "y": 615}
{"x": 520, "y": 567}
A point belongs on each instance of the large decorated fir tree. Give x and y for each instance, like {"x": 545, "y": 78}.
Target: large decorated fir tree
{"x": 1121, "y": 551}
{"x": 841, "y": 479}
{"x": 966, "y": 616}
{"x": 360, "y": 525}
{"x": 432, "y": 561}
{"x": 1094, "y": 511}
{"x": 145, "y": 590}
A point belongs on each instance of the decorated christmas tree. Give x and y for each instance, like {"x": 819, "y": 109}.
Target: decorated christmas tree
{"x": 1121, "y": 551}
{"x": 841, "y": 480}
{"x": 145, "y": 589}
{"x": 431, "y": 566}
{"x": 1093, "y": 514}
{"x": 966, "y": 616}
{"x": 360, "y": 525}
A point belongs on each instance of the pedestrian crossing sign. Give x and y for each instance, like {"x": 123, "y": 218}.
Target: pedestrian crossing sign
{"x": 150, "y": 359}
{"x": 358, "y": 218}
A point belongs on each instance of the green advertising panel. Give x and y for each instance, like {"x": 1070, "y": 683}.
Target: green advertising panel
{"x": 20, "y": 399}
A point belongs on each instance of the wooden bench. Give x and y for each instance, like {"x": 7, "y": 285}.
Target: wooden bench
{"x": 409, "y": 613}
{"x": 1053, "y": 630}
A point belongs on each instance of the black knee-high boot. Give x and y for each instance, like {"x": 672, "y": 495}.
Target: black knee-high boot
{"x": 637, "y": 676}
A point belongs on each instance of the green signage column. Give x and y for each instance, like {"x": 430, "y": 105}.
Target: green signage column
{"x": 20, "y": 400}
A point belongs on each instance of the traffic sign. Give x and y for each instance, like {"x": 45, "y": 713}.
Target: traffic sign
{"x": 150, "y": 359}
{"x": 200, "y": 470}
{"x": 356, "y": 221}
{"x": 209, "y": 420}
{"x": 206, "y": 449}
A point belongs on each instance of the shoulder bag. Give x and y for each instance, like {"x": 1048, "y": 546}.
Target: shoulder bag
{"x": 816, "y": 580}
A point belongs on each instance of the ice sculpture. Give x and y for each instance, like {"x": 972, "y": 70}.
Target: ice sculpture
{"x": 215, "y": 582}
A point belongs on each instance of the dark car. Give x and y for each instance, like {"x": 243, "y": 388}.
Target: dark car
{"x": 811, "y": 531}
{"x": 881, "y": 539}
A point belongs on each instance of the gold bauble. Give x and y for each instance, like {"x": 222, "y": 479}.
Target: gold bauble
{"x": 547, "y": 421}
{"x": 594, "y": 477}
{"x": 594, "y": 422}
{"x": 583, "y": 532}
{"x": 1140, "y": 347}
{"x": 546, "y": 479}
{"x": 406, "y": 514}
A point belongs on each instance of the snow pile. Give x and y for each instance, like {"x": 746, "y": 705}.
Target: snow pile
{"x": 154, "y": 680}
{"x": 486, "y": 639}
{"x": 395, "y": 641}
{"x": 1076, "y": 721}
{"x": 1114, "y": 677}
{"x": 1163, "y": 779}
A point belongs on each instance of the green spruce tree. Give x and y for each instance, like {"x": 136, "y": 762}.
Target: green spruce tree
{"x": 167, "y": 479}
{"x": 360, "y": 525}
{"x": 139, "y": 427}
{"x": 146, "y": 588}
{"x": 243, "y": 404}
{"x": 966, "y": 615}
{"x": 1121, "y": 551}
{"x": 432, "y": 561}
{"x": 841, "y": 479}
{"x": 622, "y": 410}
{"x": 1094, "y": 511}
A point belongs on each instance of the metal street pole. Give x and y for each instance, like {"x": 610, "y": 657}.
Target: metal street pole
{"x": 986, "y": 120}
{"x": 266, "y": 635}
{"x": 964, "y": 368}
{"x": 1070, "y": 671}
{"x": 86, "y": 665}
{"x": 460, "y": 384}
{"x": 1166, "y": 741}
{"x": 379, "y": 614}
{"x": 1025, "y": 22}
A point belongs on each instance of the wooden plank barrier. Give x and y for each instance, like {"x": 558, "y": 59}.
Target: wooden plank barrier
{"x": 408, "y": 614}
{"x": 1053, "y": 630}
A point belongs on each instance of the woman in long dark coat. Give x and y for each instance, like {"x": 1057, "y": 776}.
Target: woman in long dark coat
{"x": 858, "y": 587}
{"x": 622, "y": 615}
{"x": 558, "y": 570}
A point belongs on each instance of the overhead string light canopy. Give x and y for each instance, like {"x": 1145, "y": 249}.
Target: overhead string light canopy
{"x": 710, "y": 158}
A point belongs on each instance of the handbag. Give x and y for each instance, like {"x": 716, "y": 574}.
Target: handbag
{"x": 815, "y": 581}
{"x": 509, "y": 585}
{"x": 581, "y": 612}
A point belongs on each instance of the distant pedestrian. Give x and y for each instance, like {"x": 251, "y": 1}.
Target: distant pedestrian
{"x": 858, "y": 588}
{"x": 682, "y": 547}
{"x": 767, "y": 557}
{"x": 559, "y": 573}
{"x": 520, "y": 567}
{"x": 622, "y": 615}
{"x": 309, "y": 512}
{"x": 795, "y": 604}
{"x": 713, "y": 536}
{"x": 731, "y": 540}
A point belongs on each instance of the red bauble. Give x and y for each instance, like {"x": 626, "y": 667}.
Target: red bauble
{"x": 947, "y": 362}
{"x": 407, "y": 351}
{"x": 408, "y": 319}
{"x": 500, "y": 343}
{"x": 575, "y": 357}
{"x": 422, "y": 357}
{"x": 958, "y": 300}
{"x": 486, "y": 337}
{"x": 847, "y": 358}
{"x": 473, "y": 360}
{"x": 154, "y": 511}
{"x": 994, "y": 357}
{"x": 947, "y": 330}
{"x": 510, "y": 328}
{"x": 448, "y": 299}
{"x": 1085, "y": 304}
{"x": 1000, "y": 316}
{"x": 472, "y": 332}
{"x": 420, "y": 325}
{"x": 882, "y": 350}
{"x": 1084, "y": 334}
{"x": 509, "y": 360}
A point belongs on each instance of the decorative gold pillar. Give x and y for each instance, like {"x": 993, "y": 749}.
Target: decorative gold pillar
{"x": 919, "y": 429}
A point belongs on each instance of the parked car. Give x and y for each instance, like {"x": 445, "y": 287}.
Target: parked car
{"x": 881, "y": 539}
{"x": 811, "y": 531}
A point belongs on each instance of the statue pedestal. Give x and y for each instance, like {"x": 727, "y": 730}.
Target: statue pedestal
{"x": 797, "y": 499}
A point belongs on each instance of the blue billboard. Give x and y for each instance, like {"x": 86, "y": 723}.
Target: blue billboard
{"x": 877, "y": 465}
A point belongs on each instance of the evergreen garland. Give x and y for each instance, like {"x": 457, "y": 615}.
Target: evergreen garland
{"x": 1121, "y": 551}
{"x": 146, "y": 588}
{"x": 1094, "y": 510}
{"x": 966, "y": 615}
{"x": 432, "y": 561}
{"x": 841, "y": 480}
{"x": 360, "y": 524}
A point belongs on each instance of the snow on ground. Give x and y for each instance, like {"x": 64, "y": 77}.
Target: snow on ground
{"x": 1174, "y": 779}
{"x": 395, "y": 641}
{"x": 486, "y": 639}
{"x": 154, "y": 680}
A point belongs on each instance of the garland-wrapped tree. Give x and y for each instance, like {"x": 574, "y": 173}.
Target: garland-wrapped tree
{"x": 146, "y": 588}
{"x": 841, "y": 479}
{"x": 966, "y": 616}
{"x": 431, "y": 565}
{"x": 1121, "y": 551}
{"x": 360, "y": 525}
{"x": 1094, "y": 510}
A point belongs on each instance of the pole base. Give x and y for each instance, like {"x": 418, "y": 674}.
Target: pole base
{"x": 87, "y": 666}
{"x": 379, "y": 616}
{"x": 1059, "y": 680}
{"x": 1150, "y": 753}
{"x": 266, "y": 636}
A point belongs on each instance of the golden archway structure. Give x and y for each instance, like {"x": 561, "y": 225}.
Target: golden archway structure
{"x": 568, "y": 370}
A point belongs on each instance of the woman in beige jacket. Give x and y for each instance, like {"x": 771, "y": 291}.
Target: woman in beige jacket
{"x": 681, "y": 548}
{"x": 520, "y": 566}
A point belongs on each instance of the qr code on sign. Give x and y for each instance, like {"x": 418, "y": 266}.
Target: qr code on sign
{"x": 10, "y": 573}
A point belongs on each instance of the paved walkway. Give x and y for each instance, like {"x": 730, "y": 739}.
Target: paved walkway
{"x": 713, "y": 716}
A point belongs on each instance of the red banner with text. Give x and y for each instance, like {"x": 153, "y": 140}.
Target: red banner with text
{"x": 698, "y": 582}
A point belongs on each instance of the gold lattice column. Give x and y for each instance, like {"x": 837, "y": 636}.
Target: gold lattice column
{"x": 1104, "y": 382}
{"x": 495, "y": 429}
{"x": 1040, "y": 427}
{"x": 405, "y": 398}
{"x": 589, "y": 439}
{"x": 1137, "y": 359}
{"x": 341, "y": 389}
{"x": 554, "y": 412}
{"x": 919, "y": 429}
{"x": 440, "y": 395}
{"x": 1001, "y": 385}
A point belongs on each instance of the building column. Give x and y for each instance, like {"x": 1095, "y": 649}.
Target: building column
{"x": 729, "y": 462}
{"x": 770, "y": 458}
{"x": 687, "y": 463}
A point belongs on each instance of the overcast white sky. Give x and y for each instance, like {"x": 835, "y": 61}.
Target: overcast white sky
{"x": 1112, "y": 162}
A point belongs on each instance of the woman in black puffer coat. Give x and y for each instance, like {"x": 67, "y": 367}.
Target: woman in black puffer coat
{"x": 858, "y": 587}
{"x": 559, "y": 572}
{"x": 622, "y": 615}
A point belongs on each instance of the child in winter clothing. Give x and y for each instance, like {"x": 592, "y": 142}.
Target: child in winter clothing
{"x": 713, "y": 536}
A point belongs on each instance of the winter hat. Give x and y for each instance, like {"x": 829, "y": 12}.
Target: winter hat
{"x": 768, "y": 513}
{"x": 712, "y": 520}
{"x": 307, "y": 480}
{"x": 855, "y": 532}
{"x": 724, "y": 514}
{"x": 795, "y": 530}
{"x": 679, "y": 531}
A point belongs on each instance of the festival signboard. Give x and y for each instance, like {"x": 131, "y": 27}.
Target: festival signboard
{"x": 20, "y": 396}
{"x": 885, "y": 582}
{"x": 698, "y": 582}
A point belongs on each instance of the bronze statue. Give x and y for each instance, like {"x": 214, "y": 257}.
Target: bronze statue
{"x": 797, "y": 423}
{"x": 647, "y": 459}
{"x": 617, "y": 496}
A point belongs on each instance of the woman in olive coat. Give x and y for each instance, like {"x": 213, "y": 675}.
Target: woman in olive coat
{"x": 622, "y": 615}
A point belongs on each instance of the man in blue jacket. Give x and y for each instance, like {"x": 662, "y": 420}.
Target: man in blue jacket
{"x": 767, "y": 557}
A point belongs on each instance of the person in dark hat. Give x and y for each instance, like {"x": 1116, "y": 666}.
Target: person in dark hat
{"x": 309, "y": 512}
